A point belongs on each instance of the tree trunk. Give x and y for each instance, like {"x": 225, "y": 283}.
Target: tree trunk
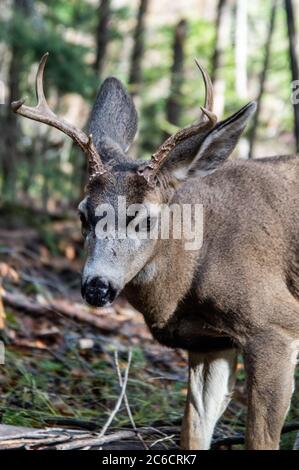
{"x": 138, "y": 48}
{"x": 253, "y": 130}
{"x": 11, "y": 124}
{"x": 174, "y": 102}
{"x": 241, "y": 49}
{"x": 221, "y": 39}
{"x": 102, "y": 35}
{"x": 293, "y": 53}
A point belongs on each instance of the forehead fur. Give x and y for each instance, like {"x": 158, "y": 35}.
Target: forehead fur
{"x": 119, "y": 183}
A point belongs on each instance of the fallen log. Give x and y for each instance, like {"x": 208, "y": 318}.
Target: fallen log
{"x": 61, "y": 307}
{"x": 17, "y": 438}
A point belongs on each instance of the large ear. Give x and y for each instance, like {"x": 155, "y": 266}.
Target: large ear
{"x": 113, "y": 119}
{"x": 214, "y": 148}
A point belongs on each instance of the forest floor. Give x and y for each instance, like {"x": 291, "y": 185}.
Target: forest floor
{"x": 66, "y": 364}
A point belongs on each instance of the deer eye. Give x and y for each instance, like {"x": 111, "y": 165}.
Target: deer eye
{"x": 144, "y": 225}
{"x": 84, "y": 224}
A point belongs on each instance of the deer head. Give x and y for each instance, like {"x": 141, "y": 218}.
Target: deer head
{"x": 195, "y": 151}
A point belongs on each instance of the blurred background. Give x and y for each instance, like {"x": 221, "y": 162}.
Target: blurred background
{"x": 60, "y": 366}
{"x": 249, "y": 48}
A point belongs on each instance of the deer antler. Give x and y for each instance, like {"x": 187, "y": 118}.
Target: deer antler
{"x": 43, "y": 113}
{"x": 151, "y": 168}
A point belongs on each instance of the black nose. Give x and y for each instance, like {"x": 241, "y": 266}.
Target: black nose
{"x": 98, "y": 292}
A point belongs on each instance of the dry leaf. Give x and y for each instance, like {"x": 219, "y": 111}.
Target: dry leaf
{"x": 8, "y": 272}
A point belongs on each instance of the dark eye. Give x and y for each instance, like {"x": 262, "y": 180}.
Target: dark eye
{"x": 84, "y": 224}
{"x": 145, "y": 225}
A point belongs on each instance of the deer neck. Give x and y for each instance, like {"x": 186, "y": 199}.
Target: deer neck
{"x": 163, "y": 282}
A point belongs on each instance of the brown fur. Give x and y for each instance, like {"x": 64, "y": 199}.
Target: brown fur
{"x": 241, "y": 288}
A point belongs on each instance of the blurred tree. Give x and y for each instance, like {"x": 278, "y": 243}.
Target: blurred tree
{"x": 262, "y": 82}
{"x": 174, "y": 102}
{"x": 221, "y": 39}
{"x": 138, "y": 48}
{"x": 241, "y": 48}
{"x": 27, "y": 34}
{"x": 218, "y": 49}
{"x": 76, "y": 34}
{"x": 11, "y": 127}
{"x": 293, "y": 53}
{"x": 102, "y": 35}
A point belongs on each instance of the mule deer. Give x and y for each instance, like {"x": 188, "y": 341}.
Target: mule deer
{"x": 238, "y": 292}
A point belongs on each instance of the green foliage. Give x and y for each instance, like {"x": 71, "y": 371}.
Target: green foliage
{"x": 71, "y": 14}
{"x": 66, "y": 68}
{"x": 67, "y": 30}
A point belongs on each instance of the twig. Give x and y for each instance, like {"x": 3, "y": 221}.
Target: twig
{"x": 127, "y": 401}
{"x": 162, "y": 439}
{"x": 120, "y": 398}
{"x": 169, "y": 429}
{"x": 95, "y": 441}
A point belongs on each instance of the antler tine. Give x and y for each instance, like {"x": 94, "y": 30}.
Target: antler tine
{"x": 39, "y": 83}
{"x": 151, "y": 168}
{"x": 209, "y": 98}
{"x": 42, "y": 113}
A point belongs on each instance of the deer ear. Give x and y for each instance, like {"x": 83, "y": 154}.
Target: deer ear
{"x": 216, "y": 146}
{"x": 113, "y": 118}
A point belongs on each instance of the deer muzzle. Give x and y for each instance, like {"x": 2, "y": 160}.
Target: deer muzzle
{"x": 98, "y": 292}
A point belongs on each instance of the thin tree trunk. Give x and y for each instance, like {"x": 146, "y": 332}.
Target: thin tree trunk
{"x": 221, "y": 39}
{"x": 293, "y": 52}
{"x": 138, "y": 48}
{"x": 216, "y": 59}
{"x": 241, "y": 48}
{"x": 102, "y": 35}
{"x": 253, "y": 130}
{"x": 174, "y": 102}
{"x": 11, "y": 124}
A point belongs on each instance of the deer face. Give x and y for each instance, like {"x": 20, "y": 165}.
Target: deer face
{"x": 124, "y": 197}
{"x": 117, "y": 216}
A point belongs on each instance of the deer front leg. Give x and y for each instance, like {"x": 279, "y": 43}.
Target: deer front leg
{"x": 210, "y": 384}
{"x": 270, "y": 365}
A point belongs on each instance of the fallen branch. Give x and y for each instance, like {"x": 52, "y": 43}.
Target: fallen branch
{"x": 95, "y": 441}
{"x": 74, "y": 311}
{"x": 17, "y": 438}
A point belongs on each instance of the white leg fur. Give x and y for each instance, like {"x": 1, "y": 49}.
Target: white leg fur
{"x": 211, "y": 381}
